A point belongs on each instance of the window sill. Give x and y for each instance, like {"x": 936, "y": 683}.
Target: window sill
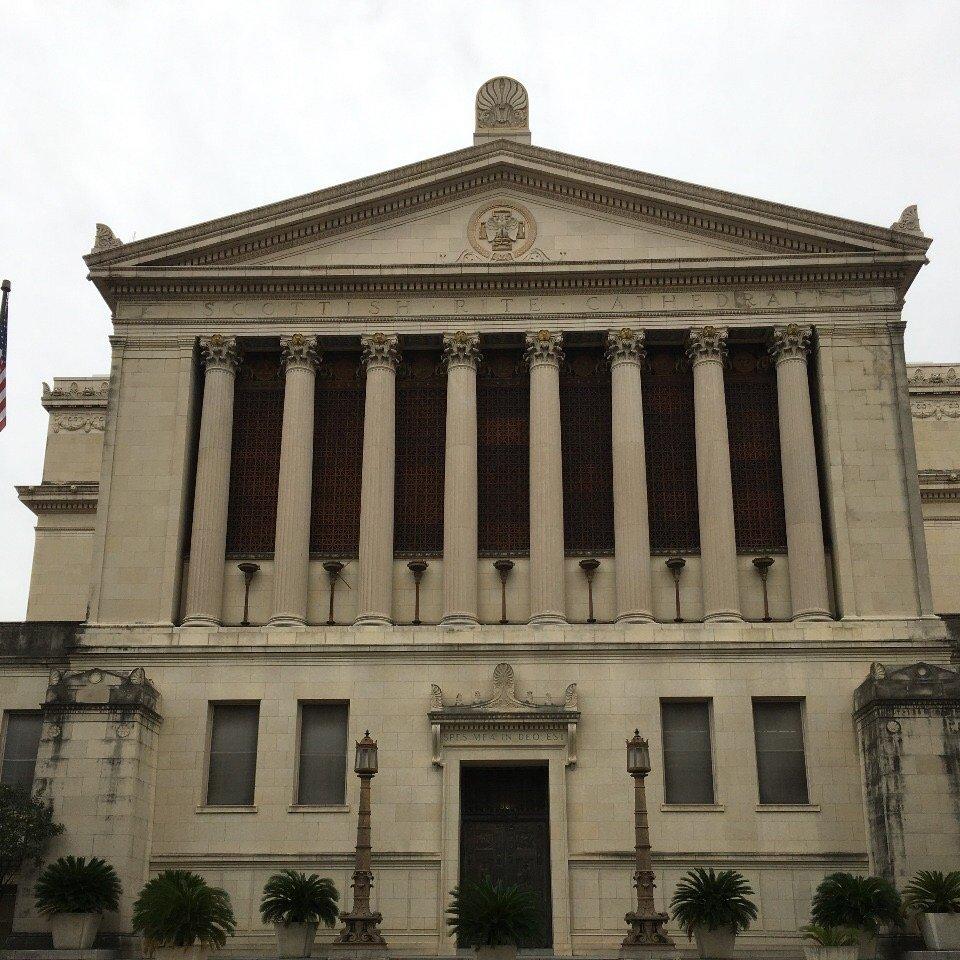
{"x": 319, "y": 808}
{"x": 214, "y": 808}
{"x": 788, "y": 808}
{"x": 692, "y": 808}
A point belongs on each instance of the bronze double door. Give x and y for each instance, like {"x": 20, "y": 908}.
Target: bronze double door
{"x": 505, "y": 833}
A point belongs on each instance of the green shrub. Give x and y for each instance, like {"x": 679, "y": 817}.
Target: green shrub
{"x": 77, "y": 885}
{"x": 931, "y": 891}
{"x": 178, "y": 909}
{"x": 716, "y": 901}
{"x": 26, "y": 827}
{"x": 292, "y": 897}
{"x": 863, "y": 903}
{"x": 485, "y": 914}
{"x": 830, "y": 936}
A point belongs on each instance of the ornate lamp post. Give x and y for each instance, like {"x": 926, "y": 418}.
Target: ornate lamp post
{"x": 675, "y": 565}
{"x": 589, "y": 568}
{"x": 503, "y": 568}
{"x": 763, "y": 565}
{"x": 249, "y": 571}
{"x": 646, "y": 936}
{"x": 417, "y": 568}
{"x": 333, "y": 568}
{"x": 360, "y": 925}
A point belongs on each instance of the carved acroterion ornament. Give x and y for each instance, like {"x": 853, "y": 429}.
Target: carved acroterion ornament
{"x": 503, "y": 110}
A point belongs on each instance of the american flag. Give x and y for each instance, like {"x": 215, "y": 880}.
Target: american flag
{"x": 5, "y": 287}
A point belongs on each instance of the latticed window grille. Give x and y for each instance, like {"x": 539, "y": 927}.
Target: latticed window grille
{"x": 586, "y": 443}
{"x": 421, "y": 445}
{"x": 671, "y": 452}
{"x": 255, "y": 456}
{"x": 503, "y": 453}
{"x": 337, "y": 456}
{"x": 750, "y": 386}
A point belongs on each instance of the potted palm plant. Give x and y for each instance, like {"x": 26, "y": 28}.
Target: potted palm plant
{"x": 935, "y": 898}
{"x": 181, "y": 917}
{"x": 75, "y": 893}
{"x": 830, "y": 943}
{"x": 713, "y": 908}
{"x": 493, "y": 918}
{"x": 296, "y": 904}
{"x": 864, "y": 904}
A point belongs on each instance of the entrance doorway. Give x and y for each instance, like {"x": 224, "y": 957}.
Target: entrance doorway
{"x": 505, "y": 832}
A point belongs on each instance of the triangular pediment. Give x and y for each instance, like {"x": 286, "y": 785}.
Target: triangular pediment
{"x": 501, "y": 203}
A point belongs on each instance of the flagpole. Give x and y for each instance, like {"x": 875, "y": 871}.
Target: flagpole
{"x": 5, "y": 287}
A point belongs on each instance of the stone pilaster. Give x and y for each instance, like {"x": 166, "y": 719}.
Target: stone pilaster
{"x": 208, "y": 539}
{"x": 801, "y": 491}
{"x": 375, "y": 587}
{"x": 631, "y": 525}
{"x": 292, "y": 544}
{"x": 707, "y": 349}
{"x": 544, "y": 354}
{"x": 461, "y": 354}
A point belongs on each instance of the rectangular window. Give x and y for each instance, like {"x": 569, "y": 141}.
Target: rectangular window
{"x": 323, "y": 754}
{"x": 233, "y": 754}
{"x": 781, "y": 768}
{"x": 687, "y": 758}
{"x": 20, "y": 744}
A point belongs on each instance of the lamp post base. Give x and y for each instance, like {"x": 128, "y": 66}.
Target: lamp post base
{"x": 646, "y": 937}
{"x": 361, "y": 934}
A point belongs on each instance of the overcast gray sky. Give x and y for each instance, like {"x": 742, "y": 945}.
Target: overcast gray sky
{"x": 151, "y": 116}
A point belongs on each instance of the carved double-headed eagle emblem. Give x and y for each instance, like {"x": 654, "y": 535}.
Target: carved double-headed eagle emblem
{"x": 502, "y": 231}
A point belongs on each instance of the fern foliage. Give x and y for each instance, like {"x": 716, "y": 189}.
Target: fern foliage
{"x": 179, "y": 908}
{"x": 293, "y": 897}
{"x": 863, "y": 903}
{"x": 830, "y": 936}
{"x": 77, "y": 885}
{"x": 487, "y": 914}
{"x": 932, "y": 891}
{"x": 716, "y": 901}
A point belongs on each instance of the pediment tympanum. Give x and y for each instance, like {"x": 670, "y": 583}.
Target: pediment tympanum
{"x": 505, "y": 719}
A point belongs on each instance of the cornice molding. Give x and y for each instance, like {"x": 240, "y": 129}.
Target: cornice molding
{"x": 73, "y": 393}
{"x": 60, "y": 497}
{"x": 933, "y": 378}
{"x": 939, "y": 486}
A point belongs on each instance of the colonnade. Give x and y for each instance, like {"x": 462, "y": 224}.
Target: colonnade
{"x": 706, "y": 349}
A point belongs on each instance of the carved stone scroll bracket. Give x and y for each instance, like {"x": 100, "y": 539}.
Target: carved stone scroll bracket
{"x": 505, "y": 719}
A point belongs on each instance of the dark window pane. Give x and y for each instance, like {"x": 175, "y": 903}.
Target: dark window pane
{"x": 503, "y": 453}
{"x": 255, "y": 455}
{"x": 21, "y": 741}
{"x": 586, "y": 442}
{"x": 671, "y": 452}
{"x": 687, "y": 761}
{"x": 323, "y": 753}
{"x": 750, "y": 387}
{"x": 421, "y": 445}
{"x": 233, "y": 754}
{"x": 780, "y": 763}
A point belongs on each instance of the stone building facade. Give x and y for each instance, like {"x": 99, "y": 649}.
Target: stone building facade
{"x": 504, "y": 434}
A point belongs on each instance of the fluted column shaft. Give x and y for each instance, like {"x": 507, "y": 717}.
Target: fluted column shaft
{"x": 544, "y": 354}
{"x": 375, "y": 587}
{"x": 631, "y": 525}
{"x": 707, "y": 349}
{"x": 292, "y": 545}
{"x": 801, "y": 492}
{"x": 461, "y": 353}
{"x": 208, "y": 538}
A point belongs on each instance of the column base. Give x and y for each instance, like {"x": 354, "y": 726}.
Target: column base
{"x": 640, "y": 616}
{"x": 459, "y": 620}
{"x": 811, "y": 615}
{"x": 540, "y": 619}
{"x": 724, "y": 616}
{"x": 200, "y": 622}
{"x": 281, "y": 620}
{"x": 372, "y": 620}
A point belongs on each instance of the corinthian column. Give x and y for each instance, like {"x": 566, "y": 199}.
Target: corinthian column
{"x": 375, "y": 588}
{"x": 801, "y": 492}
{"x": 631, "y": 526}
{"x": 208, "y": 538}
{"x": 292, "y": 545}
{"x": 544, "y": 353}
{"x": 707, "y": 349}
{"x": 461, "y": 353}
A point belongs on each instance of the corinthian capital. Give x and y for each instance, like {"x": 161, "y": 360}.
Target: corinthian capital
{"x": 790, "y": 342}
{"x": 380, "y": 350}
{"x": 707, "y": 343}
{"x": 544, "y": 346}
{"x": 217, "y": 351}
{"x": 299, "y": 351}
{"x": 625, "y": 346}
{"x": 461, "y": 349}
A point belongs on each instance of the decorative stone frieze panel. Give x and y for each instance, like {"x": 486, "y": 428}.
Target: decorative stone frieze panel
{"x": 505, "y": 719}
{"x": 60, "y": 497}
{"x": 83, "y": 393}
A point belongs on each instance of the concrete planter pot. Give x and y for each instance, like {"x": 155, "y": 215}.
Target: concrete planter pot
{"x": 74, "y": 931}
{"x": 295, "y": 940}
{"x": 813, "y": 952}
{"x": 868, "y": 946}
{"x": 194, "y": 952}
{"x": 941, "y": 931}
{"x": 715, "y": 944}
{"x": 505, "y": 952}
